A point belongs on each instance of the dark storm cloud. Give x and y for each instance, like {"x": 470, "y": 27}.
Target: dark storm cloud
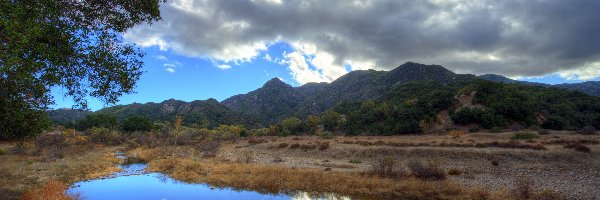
{"x": 510, "y": 37}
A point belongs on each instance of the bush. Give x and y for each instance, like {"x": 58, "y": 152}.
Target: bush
{"x": 282, "y": 145}
{"x": 3, "y": 152}
{"x": 523, "y": 188}
{"x": 495, "y": 129}
{"x": 386, "y": 166}
{"x": 588, "y": 130}
{"x": 523, "y": 136}
{"x": 136, "y": 123}
{"x": 454, "y": 172}
{"x": 355, "y": 161}
{"x": 327, "y": 135}
{"x": 209, "y": 148}
{"x": 104, "y": 136}
{"x": 52, "y": 190}
{"x": 474, "y": 130}
{"x": 543, "y": 132}
{"x": 324, "y": 146}
{"x": 294, "y": 146}
{"x": 555, "y": 123}
{"x": 428, "y": 171}
{"x": 98, "y": 121}
{"x": 577, "y": 147}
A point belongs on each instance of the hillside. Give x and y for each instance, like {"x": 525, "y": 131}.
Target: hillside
{"x": 588, "y": 87}
{"x": 407, "y": 99}
{"x": 274, "y": 101}
{"x": 199, "y": 113}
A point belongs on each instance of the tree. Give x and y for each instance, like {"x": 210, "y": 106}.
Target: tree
{"x": 72, "y": 44}
{"x": 331, "y": 120}
{"x": 136, "y": 123}
{"x": 291, "y": 125}
{"x": 98, "y": 121}
{"x": 177, "y": 126}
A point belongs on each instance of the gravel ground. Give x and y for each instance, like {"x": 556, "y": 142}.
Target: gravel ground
{"x": 574, "y": 174}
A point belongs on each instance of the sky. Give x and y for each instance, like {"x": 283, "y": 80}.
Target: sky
{"x": 218, "y": 48}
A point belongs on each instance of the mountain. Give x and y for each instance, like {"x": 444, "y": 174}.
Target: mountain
{"x": 406, "y": 99}
{"x": 277, "y": 100}
{"x": 65, "y": 116}
{"x": 588, "y": 87}
{"x": 200, "y": 113}
{"x": 274, "y": 101}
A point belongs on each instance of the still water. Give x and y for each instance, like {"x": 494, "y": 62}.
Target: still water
{"x": 134, "y": 183}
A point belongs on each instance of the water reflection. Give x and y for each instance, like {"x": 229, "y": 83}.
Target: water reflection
{"x": 135, "y": 183}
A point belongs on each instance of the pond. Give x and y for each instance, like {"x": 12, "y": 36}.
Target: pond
{"x": 135, "y": 183}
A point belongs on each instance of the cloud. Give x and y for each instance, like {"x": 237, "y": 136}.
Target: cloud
{"x": 161, "y": 57}
{"x": 224, "y": 66}
{"x": 588, "y": 72}
{"x": 170, "y": 67}
{"x": 511, "y": 37}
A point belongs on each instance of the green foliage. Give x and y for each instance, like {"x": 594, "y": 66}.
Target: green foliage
{"x": 98, "y": 121}
{"x": 495, "y": 129}
{"x": 331, "y": 120}
{"x": 291, "y": 125}
{"x": 523, "y": 136}
{"x": 76, "y": 45}
{"x": 555, "y": 123}
{"x": 104, "y": 136}
{"x": 136, "y": 123}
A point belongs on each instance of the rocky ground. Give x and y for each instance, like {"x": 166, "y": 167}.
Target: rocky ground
{"x": 574, "y": 174}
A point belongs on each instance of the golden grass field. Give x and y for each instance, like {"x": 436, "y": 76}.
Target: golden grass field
{"x": 474, "y": 166}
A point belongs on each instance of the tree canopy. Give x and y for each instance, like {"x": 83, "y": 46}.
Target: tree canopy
{"x": 73, "y": 44}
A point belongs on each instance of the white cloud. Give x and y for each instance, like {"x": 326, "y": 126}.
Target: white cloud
{"x": 169, "y": 69}
{"x": 268, "y": 58}
{"x": 224, "y": 66}
{"x": 587, "y": 72}
{"x": 467, "y": 36}
{"x": 161, "y": 57}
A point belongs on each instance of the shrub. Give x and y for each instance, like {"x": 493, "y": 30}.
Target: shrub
{"x": 54, "y": 190}
{"x": 247, "y": 157}
{"x": 523, "y": 188}
{"x": 327, "y": 135}
{"x": 495, "y": 129}
{"x": 3, "y": 151}
{"x": 255, "y": 140}
{"x": 386, "y": 166}
{"x": 20, "y": 149}
{"x": 523, "y": 136}
{"x": 282, "y": 145}
{"x": 308, "y": 146}
{"x": 577, "y": 147}
{"x": 474, "y": 130}
{"x": 555, "y": 123}
{"x": 456, "y": 134}
{"x": 294, "y": 146}
{"x": 428, "y": 171}
{"x": 136, "y": 123}
{"x": 454, "y": 172}
{"x": 495, "y": 163}
{"x": 355, "y": 161}
{"x": 324, "y": 146}
{"x": 209, "y": 148}
{"x": 277, "y": 159}
{"x": 133, "y": 160}
{"x": 588, "y": 130}
{"x": 47, "y": 140}
{"x": 104, "y": 136}
{"x": 543, "y": 132}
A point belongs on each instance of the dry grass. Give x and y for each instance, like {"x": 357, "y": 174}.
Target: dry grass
{"x": 20, "y": 173}
{"x": 273, "y": 179}
{"x": 53, "y": 190}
